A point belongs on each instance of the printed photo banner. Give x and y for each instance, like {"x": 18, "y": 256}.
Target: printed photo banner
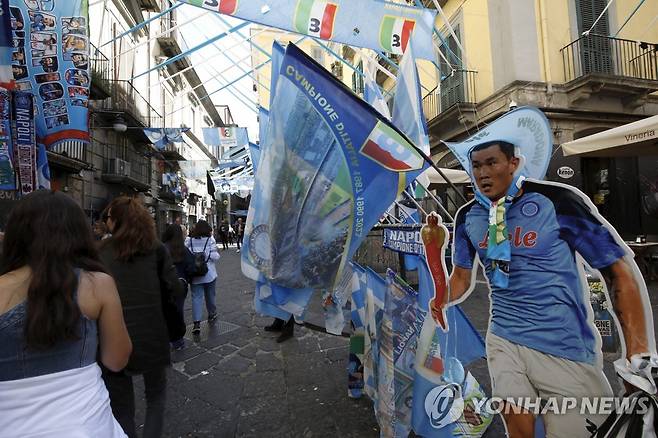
{"x": 7, "y": 175}
{"x": 50, "y": 58}
{"x": 6, "y": 46}
{"x": 25, "y": 146}
{"x": 330, "y": 167}
{"x": 385, "y": 27}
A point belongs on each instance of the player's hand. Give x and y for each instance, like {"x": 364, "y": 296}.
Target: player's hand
{"x": 436, "y": 310}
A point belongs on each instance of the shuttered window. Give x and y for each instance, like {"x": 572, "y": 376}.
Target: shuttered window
{"x": 595, "y": 51}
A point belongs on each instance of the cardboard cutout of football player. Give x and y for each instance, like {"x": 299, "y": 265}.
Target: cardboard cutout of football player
{"x": 532, "y": 239}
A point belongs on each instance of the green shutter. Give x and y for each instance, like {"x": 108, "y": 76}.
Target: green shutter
{"x": 595, "y": 51}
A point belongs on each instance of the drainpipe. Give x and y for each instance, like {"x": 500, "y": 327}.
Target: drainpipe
{"x": 543, "y": 28}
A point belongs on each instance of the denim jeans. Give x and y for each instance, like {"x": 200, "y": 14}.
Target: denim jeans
{"x": 122, "y": 399}
{"x": 198, "y": 292}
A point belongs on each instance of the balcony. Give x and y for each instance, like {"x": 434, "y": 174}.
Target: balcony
{"x": 618, "y": 67}
{"x": 100, "y": 75}
{"x": 125, "y": 166}
{"x": 457, "y": 88}
{"x": 71, "y": 156}
{"x": 173, "y": 151}
{"x": 610, "y": 56}
{"x": 168, "y": 38}
{"x": 225, "y": 113}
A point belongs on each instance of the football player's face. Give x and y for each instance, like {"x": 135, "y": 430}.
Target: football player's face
{"x": 493, "y": 171}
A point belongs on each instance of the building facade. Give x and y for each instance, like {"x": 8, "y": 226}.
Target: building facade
{"x": 586, "y": 75}
{"x": 123, "y": 101}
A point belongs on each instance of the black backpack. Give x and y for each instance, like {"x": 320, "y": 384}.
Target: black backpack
{"x": 200, "y": 260}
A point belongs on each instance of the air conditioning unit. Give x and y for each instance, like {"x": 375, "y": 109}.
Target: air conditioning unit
{"x": 118, "y": 166}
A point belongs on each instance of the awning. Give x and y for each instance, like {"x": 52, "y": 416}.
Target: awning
{"x": 455, "y": 176}
{"x": 634, "y": 139}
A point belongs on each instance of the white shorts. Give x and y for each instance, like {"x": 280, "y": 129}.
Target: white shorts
{"x": 519, "y": 372}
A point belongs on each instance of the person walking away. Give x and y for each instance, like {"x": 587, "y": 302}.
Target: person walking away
{"x": 223, "y": 234}
{"x": 59, "y": 313}
{"x": 239, "y": 231}
{"x": 145, "y": 276}
{"x": 204, "y": 248}
{"x": 184, "y": 263}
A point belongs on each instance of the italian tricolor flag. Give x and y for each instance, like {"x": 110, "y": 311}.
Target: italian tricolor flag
{"x": 228, "y": 6}
{"x": 391, "y": 150}
{"x": 394, "y": 34}
{"x": 225, "y": 6}
{"x": 227, "y": 133}
{"x": 315, "y": 18}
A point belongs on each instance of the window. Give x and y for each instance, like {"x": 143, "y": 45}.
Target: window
{"x": 357, "y": 79}
{"x": 317, "y": 53}
{"x": 595, "y": 53}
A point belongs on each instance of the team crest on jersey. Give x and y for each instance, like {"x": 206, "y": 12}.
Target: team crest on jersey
{"x": 529, "y": 209}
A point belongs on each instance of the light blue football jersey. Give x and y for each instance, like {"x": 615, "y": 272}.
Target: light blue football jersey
{"x": 544, "y": 307}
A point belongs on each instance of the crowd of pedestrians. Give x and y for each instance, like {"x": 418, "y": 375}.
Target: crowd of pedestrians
{"x": 84, "y": 310}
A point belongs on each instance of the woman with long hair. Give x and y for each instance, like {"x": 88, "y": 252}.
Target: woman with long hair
{"x": 183, "y": 260}
{"x": 59, "y": 313}
{"x": 145, "y": 277}
{"x": 204, "y": 248}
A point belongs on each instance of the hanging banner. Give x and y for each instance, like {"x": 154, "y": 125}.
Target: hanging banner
{"x": 332, "y": 166}
{"x": 51, "y": 59}
{"x": 6, "y": 46}
{"x": 194, "y": 169}
{"x": 404, "y": 239}
{"x": 225, "y": 138}
{"x": 7, "y": 175}
{"x": 386, "y": 27}
{"x": 233, "y": 185}
{"x": 25, "y": 146}
{"x": 161, "y": 137}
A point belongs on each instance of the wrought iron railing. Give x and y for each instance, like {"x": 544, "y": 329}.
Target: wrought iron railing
{"x": 100, "y": 74}
{"x": 73, "y": 149}
{"x": 610, "y": 56}
{"x": 458, "y": 87}
{"x": 126, "y": 98}
{"x": 225, "y": 113}
{"x": 120, "y": 160}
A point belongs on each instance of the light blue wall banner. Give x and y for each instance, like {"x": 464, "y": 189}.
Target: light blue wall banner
{"x": 387, "y": 27}
{"x": 51, "y": 59}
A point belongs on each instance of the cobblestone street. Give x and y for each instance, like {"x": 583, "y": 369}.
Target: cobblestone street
{"x": 235, "y": 380}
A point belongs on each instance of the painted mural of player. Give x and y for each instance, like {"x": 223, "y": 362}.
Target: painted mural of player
{"x": 531, "y": 237}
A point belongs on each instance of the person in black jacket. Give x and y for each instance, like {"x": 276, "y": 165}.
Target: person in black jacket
{"x": 183, "y": 260}
{"x": 146, "y": 278}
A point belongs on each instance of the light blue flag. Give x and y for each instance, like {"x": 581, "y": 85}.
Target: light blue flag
{"x": 407, "y": 114}
{"x": 387, "y": 27}
{"x": 315, "y": 198}
{"x": 254, "y": 153}
{"x": 371, "y": 91}
{"x": 225, "y": 137}
{"x": 161, "y": 137}
{"x": 440, "y": 359}
{"x": 280, "y": 302}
